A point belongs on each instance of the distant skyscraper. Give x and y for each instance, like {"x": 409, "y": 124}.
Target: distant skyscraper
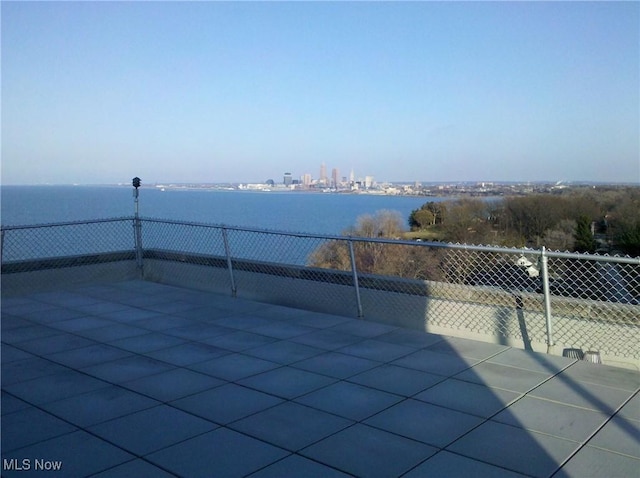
{"x": 323, "y": 174}
{"x": 288, "y": 180}
{"x": 334, "y": 178}
{"x": 368, "y": 182}
{"x": 306, "y": 179}
{"x": 352, "y": 177}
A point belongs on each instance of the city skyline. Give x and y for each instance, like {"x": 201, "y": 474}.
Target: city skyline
{"x": 96, "y": 92}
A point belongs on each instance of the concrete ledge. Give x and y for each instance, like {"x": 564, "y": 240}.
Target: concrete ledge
{"x": 54, "y": 278}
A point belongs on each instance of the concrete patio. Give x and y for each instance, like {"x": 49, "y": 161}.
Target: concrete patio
{"x": 141, "y": 379}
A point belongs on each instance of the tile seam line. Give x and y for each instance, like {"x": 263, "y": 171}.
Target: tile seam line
{"x": 526, "y": 394}
{"x": 594, "y": 433}
{"x": 89, "y": 432}
{"x": 487, "y": 419}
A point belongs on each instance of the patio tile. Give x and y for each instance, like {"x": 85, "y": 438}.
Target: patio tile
{"x": 283, "y": 352}
{"x": 220, "y": 453}
{"x": 10, "y": 322}
{"x": 614, "y": 377}
{"x": 468, "y": 397}
{"x": 203, "y": 312}
{"x": 234, "y": 367}
{"x": 239, "y": 306}
{"x": 523, "y": 451}
{"x": 10, "y": 404}
{"x": 290, "y": 425}
{"x": 101, "y": 307}
{"x": 591, "y": 396}
{"x": 28, "y": 369}
{"x": 54, "y": 387}
{"x": 18, "y": 428}
{"x": 450, "y": 464}
{"x": 24, "y": 307}
{"x": 282, "y": 330}
{"x": 319, "y": 320}
{"x": 173, "y": 384}
{"x": 147, "y": 343}
{"x": 287, "y": 382}
{"x": 500, "y": 376}
{"x": 79, "y": 454}
{"x": 11, "y": 354}
{"x": 188, "y": 353}
{"x": 242, "y": 322}
{"x": 170, "y": 306}
{"x": 55, "y": 314}
{"x": 130, "y": 315}
{"x": 557, "y": 419}
{"x": 327, "y": 339}
{"x": 88, "y": 356}
{"x": 152, "y": 429}
{"x": 335, "y": 364}
{"x": 29, "y": 332}
{"x": 277, "y": 312}
{"x": 226, "y": 403}
{"x": 437, "y": 363}
{"x": 363, "y": 328}
{"x": 410, "y": 338}
{"x": 591, "y": 461}
{"x": 198, "y": 331}
{"x": 99, "y": 406}
{"x": 365, "y": 451}
{"x": 619, "y": 435}
{"x": 296, "y": 465}
{"x": 468, "y": 348}
{"x": 112, "y": 332}
{"x": 81, "y": 323}
{"x": 377, "y": 350}
{"x": 55, "y": 343}
{"x": 127, "y": 368}
{"x": 239, "y": 341}
{"x": 631, "y": 409}
{"x": 134, "y": 468}
{"x": 66, "y": 298}
{"x": 161, "y": 322}
{"x": 349, "y": 400}
{"x": 424, "y": 422}
{"x": 399, "y": 380}
{"x": 11, "y": 303}
{"x": 536, "y": 362}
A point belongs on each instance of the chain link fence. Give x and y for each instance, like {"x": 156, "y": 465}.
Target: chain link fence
{"x": 524, "y": 297}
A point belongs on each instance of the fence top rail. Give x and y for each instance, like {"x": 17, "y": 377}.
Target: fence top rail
{"x": 67, "y": 223}
{"x": 442, "y": 245}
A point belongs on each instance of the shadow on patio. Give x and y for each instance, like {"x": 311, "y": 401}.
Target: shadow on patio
{"x": 141, "y": 379}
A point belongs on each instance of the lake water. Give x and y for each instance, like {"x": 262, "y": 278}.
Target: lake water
{"x": 315, "y": 213}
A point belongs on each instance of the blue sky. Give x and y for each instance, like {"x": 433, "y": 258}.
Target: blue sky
{"x": 99, "y": 92}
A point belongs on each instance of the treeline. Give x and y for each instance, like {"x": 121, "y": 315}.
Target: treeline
{"x": 584, "y": 221}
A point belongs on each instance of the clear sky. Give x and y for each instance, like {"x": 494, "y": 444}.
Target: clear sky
{"x": 99, "y": 92}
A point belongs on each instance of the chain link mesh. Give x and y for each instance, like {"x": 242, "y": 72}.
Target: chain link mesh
{"x": 23, "y": 245}
{"x": 32, "y": 254}
{"x": 490, "y": 291}
{"x": 595, "y": 305}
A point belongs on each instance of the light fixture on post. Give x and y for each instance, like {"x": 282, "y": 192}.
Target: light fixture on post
{"x": 137, "y": 226}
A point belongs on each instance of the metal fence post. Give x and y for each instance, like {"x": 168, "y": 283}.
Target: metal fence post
{"x": 544, "y": 275}
{"x": 355, "y": 277}
{"x": 227, "y": 252}
{"x": 137, "y": 231}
